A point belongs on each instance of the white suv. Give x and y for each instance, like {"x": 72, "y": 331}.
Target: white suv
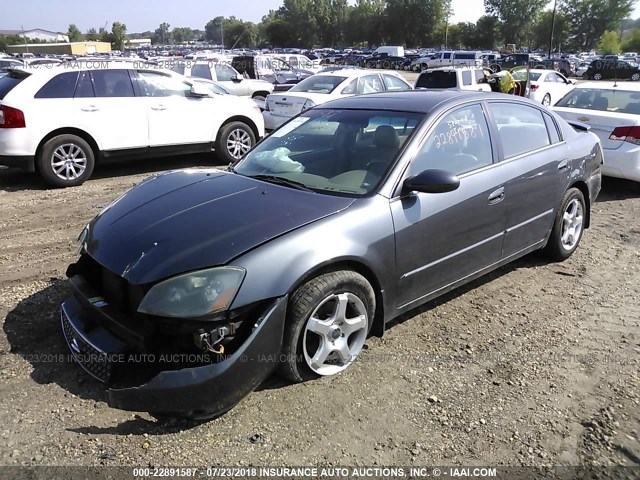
{"x": 60, "y": 121}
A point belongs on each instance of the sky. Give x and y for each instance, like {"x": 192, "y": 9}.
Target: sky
{"x": 140, "y": 16}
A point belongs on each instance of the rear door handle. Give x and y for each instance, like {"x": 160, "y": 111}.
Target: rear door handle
{"x": 563, "y": 165}
{"x": 497, "y": 196}
{"x": 158, "y": 107}
{"x": 90, "y": 108}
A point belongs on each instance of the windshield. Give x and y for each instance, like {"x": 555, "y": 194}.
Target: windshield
{"x": 606, "y": 100}
{"x": 521, "y": 75}
{"x": 334, "y": 151}
{"x": 437, "y": 79}
{"x": 318, "y": 84}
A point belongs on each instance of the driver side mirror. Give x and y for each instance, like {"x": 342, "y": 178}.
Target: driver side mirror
{"x": 198, "y": 90}
{"x": 431, "y": 181}
{"x": 237, "y": 78}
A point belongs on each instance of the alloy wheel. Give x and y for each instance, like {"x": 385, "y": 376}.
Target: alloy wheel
{"x": 572, "y": 221}
{"x": 238, "y": 143}
{"x": 68, "y": 161}
{"x": 335, "y": 333}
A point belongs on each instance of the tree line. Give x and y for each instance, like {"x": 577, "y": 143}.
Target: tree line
{"x": 579, "y": 25}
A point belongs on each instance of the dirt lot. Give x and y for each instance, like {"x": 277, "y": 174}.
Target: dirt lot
{"x": 535, "y": 365}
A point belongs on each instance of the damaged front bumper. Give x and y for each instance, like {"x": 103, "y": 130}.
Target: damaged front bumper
{"x": 210, "y": 389}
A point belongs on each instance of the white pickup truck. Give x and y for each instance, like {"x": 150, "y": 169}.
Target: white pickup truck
{"x": 464, "y": 78}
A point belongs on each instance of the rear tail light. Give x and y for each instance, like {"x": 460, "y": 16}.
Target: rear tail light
{"x": 626, "y": 134}
{"x": 11, "y": 117}
{"x": 534, "y": 87}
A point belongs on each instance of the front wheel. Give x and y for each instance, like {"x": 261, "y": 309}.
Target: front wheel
{"x": 585, "y": 76}
{"x": 597, "y": 76}
{"x": 328, "y": 321}
{"x": 635, "y": 77}
{"x": 66, "y": 161}
{"x": 568, "y": 226}
{"x": 234, "y": 141}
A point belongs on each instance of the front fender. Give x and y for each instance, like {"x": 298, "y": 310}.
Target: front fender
{"x": 363, "y": 234}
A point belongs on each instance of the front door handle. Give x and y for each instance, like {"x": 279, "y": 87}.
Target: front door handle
{"x": 563, "y": 165}
{"x": 90, "y": 108}
{"x": 158, "y": 107}
{"x": 496, "y": 196}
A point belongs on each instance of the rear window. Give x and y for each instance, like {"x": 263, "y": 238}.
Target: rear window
{"x": 319, "y": 84}
{"x": 60, "y": 86}
{"x": 605, "y": 100}
{"x": 465, "y": 56}
{"x": 437, "y": 79}
{"x": 9, "y": 81}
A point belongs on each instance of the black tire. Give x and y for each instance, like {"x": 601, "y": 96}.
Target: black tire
{"x": 635, "y": 77}
{"x": 585, "y": 76}
{"x": 555, "y": 249}
{"x": 597, "y": 76}
{"x": 77, "y": 171}
{"x": 496, "y": 68}
{"x": 226, "y": 135}
{"x": 546, "y": 98}
{"x": 304, "y": 301}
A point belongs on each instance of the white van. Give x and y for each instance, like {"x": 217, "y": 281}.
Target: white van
{"x": 448, "y": 58}
{"x": 397, "y": 51}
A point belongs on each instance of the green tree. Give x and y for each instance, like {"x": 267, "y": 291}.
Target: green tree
{"x": 162, "y": 35}
{"x": 487, "y": 32}
{"x": 365, "y": 23}
{"x": 413, "y": 23}
{"x": 609, "y": 43}
{"x": 183, "y": 34}
{"x": 516, "y": 16}
{"x": 632, "y": 44}
{"x": 213, "y": 30}
{"x": 92, "y": 35}
{"x": 118, "y": 35}
{"x": 541, "y": 30}
{"x": 75, "y": 35}
{"x": 591, "y": 18}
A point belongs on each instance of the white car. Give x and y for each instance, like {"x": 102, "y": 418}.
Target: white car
{"x": 60, "y": 121}
{"x": 613, "y": 112}
{"x": 321, "y": 88}
{"x": 223, "y": 73}
{"x": 547, "y": 86}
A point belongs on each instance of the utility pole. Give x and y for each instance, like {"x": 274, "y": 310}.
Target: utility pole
{"x": 24, "y": 37}
{"x": 222, "y": 33}
{"x": 553, "y": 24}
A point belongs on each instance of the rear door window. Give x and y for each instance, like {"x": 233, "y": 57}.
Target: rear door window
{"x": 521, "y": 128}
{"x": 62, "y": 85}
{"x": 9, "y": 81}
{"x": 112, "y": 83}
{"x": 201, "y": 71}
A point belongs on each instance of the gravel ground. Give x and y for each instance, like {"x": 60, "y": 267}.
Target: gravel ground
{"x": 536, "y": 364}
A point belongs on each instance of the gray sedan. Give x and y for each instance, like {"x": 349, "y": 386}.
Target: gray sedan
{"x": 347, "y": 216}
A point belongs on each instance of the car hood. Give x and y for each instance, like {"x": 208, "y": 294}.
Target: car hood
{"x": 187, "y": 220}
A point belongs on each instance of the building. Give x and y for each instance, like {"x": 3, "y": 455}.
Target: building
{"x": 38, "y": 34}
{"x": 138, "y": 43}
{"x": 66, "y": 48}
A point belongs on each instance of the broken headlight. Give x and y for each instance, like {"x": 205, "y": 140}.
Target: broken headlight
{"x": 195, "y": 294}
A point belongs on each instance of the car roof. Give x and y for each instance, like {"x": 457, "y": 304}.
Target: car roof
{"x": 620, "y": 85}
{"x": 421, "y": 101}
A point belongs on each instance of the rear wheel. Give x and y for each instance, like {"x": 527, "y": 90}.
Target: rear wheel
{"x": 635, "y": 77}
{"x": 328, "y": 321}
{"x": 234, "y": 141}
{"x": 597, "y": 76}
{"x": 568, "y": 226}
{"x": 66, "y": 161}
